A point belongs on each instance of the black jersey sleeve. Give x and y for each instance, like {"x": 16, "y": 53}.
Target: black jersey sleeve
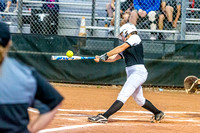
{"x": 45, "y": 93}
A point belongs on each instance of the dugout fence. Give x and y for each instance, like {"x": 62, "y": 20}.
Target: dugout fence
{"x": 168, "y": 62}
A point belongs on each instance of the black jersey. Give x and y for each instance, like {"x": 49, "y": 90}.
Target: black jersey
{"x": 134, "y": 54}
{"x": 22, "y": 87}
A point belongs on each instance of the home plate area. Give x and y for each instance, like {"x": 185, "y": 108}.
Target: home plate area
{"x": 74, "y": 120}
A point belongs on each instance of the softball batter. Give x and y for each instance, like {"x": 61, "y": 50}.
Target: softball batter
{"x": 132, "y": 51}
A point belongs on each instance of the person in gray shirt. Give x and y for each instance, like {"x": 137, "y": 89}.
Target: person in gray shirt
{"x": 22, "y": 87}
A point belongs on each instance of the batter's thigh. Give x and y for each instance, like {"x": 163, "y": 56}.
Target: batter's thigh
{"x": 133, "y": 82}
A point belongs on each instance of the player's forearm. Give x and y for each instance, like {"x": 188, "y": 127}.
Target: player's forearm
{"x": 42, "y": 121}
{"x": 113, "y": 58}
{"x": 116, "y": 50}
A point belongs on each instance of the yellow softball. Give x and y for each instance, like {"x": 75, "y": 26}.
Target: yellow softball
{"x": 69, "y": 53}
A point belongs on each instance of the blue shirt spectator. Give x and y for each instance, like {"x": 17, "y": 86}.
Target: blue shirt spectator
{"x": 147, "y": 5}
{"x": 145, "y": 9}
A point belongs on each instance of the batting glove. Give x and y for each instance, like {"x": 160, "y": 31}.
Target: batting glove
{"x": 103, "y": 57}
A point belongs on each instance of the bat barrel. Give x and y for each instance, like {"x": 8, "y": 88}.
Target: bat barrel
{"x": 71, "y": 58}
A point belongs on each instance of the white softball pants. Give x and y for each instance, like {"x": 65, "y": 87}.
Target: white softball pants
{"x": 136, "y": 76}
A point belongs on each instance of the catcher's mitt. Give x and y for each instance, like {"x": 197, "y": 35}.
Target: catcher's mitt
{"x": 191, "y": 84}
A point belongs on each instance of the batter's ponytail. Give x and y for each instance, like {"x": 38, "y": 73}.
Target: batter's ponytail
{"x": 2, "y": 54}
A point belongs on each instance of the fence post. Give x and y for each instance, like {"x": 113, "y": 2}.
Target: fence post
{"x": 19, "y": 16}
{"x": 117, "y": 18}
{"x": 183, "y": 19}
{"x": 93, "y": 14}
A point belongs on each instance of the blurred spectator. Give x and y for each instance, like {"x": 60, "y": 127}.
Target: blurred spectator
{"x": 110, "y": 8}
{"x": 9, "y": 2}
{"x": 168, "y": 10}
{"x": 53, "y": 11}
{"x": 126, "y": 7}
{"x": 145, "y": 8}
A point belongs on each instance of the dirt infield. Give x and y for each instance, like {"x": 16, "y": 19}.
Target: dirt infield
{"x": 182, "y": 111}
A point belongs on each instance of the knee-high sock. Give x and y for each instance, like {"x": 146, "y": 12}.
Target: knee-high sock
{"x": 149, "y": 106}
{"x": 114, "y": 108}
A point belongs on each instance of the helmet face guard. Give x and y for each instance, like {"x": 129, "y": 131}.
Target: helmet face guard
{"x": 124, "y": 33}
{"x": 121, "y": 37}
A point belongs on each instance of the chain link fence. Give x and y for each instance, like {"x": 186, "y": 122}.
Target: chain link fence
{"x": 192, "y": 18}
{"x": 159, "y": 19}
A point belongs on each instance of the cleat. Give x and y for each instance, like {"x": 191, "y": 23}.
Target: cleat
{"x": 98, "y": 119}
{"x": 158, "y": 117}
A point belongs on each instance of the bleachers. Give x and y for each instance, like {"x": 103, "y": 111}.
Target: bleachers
{"x": 71, "y": 12}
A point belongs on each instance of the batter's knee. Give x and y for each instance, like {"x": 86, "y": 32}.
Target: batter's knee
{"x": 139, "y": 100}
{"x": 122, "y": 98}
